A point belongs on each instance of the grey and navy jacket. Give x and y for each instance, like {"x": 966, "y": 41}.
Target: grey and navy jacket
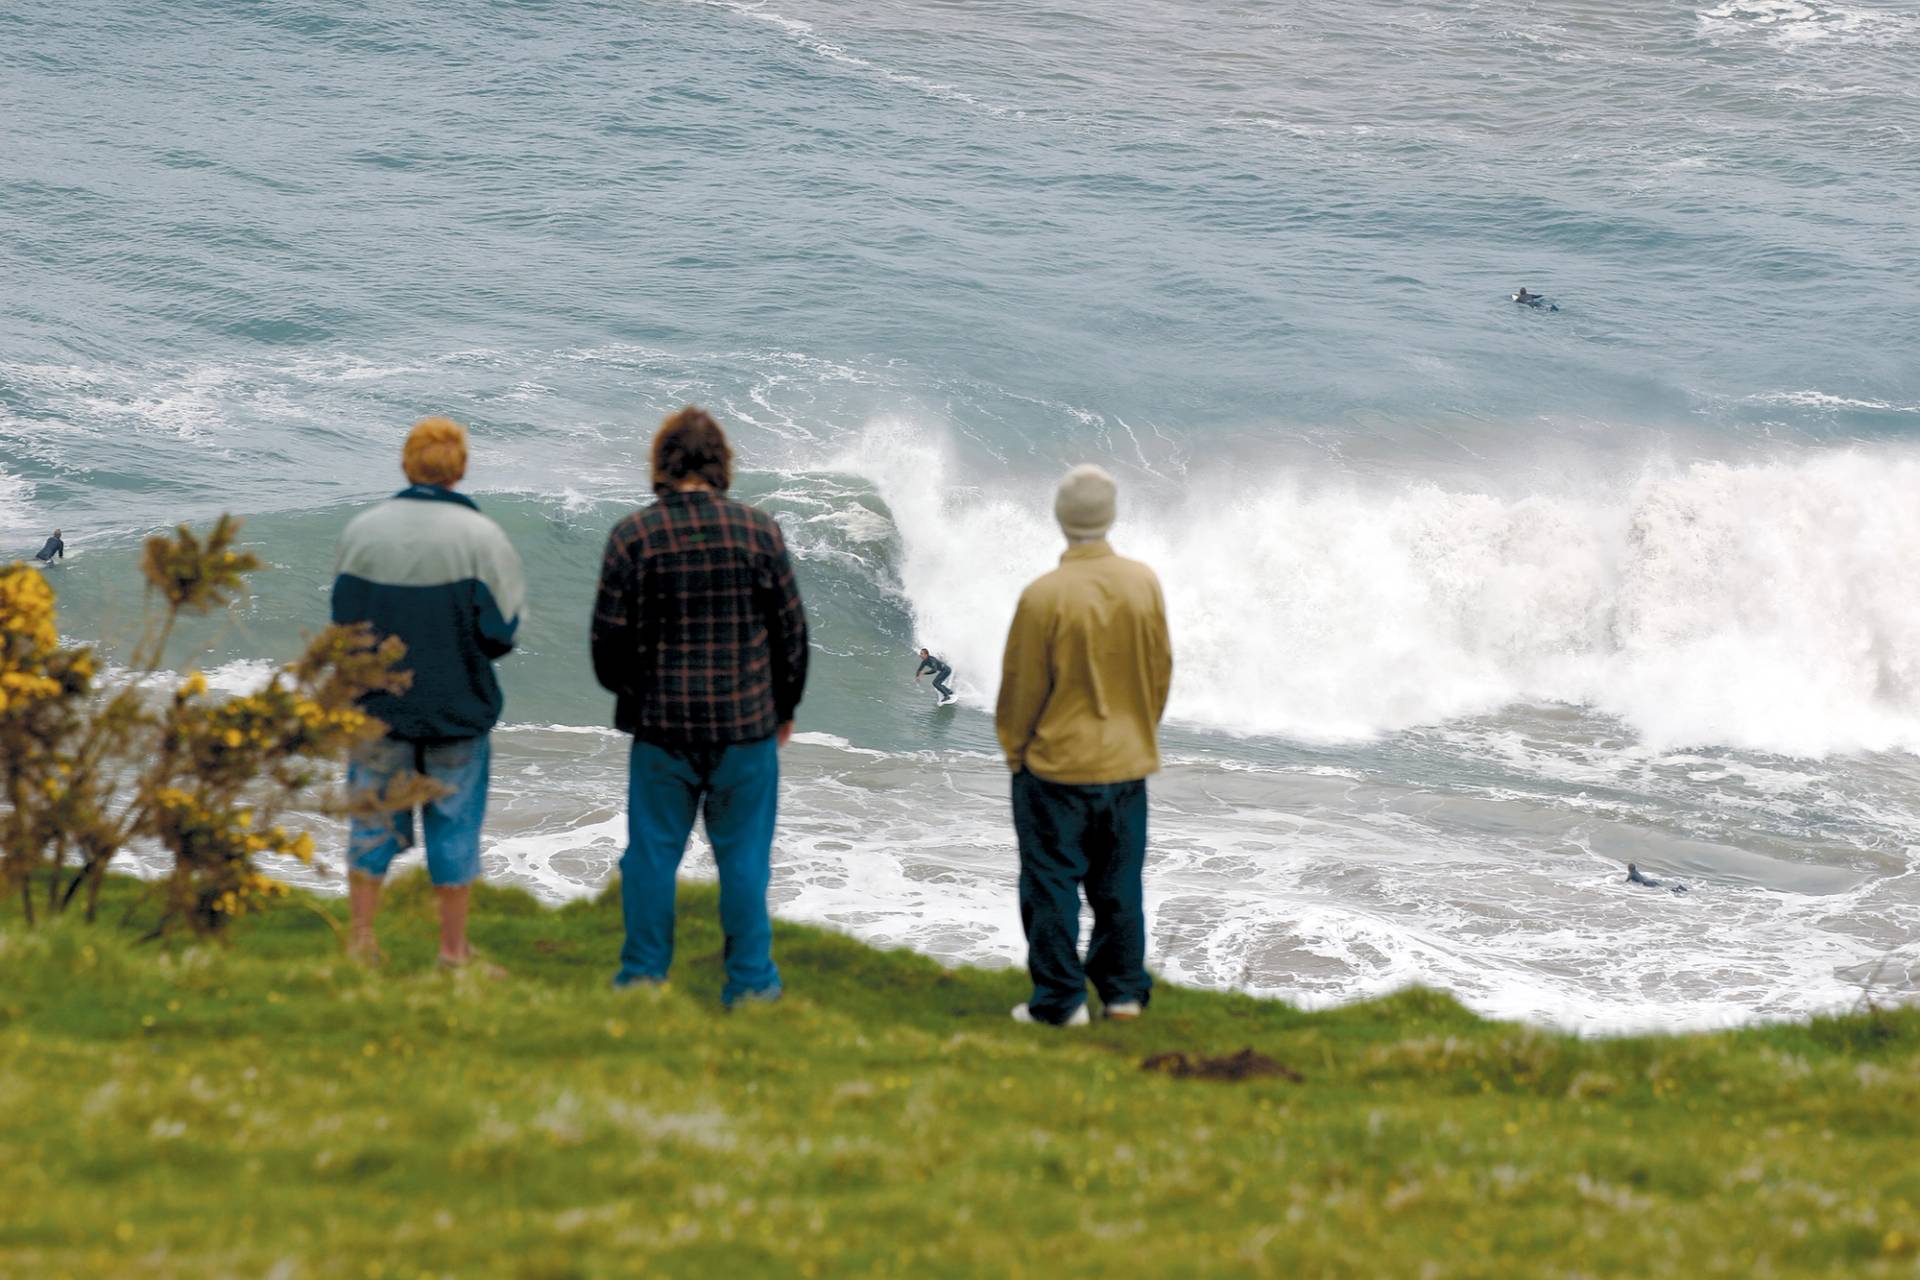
{"x": 426, "y": 566}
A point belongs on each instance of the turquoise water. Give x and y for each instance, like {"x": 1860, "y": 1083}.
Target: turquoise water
{"x": 1471, "y": 602}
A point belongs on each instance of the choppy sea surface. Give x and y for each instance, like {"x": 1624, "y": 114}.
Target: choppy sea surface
{"x": 1472, "y": 603}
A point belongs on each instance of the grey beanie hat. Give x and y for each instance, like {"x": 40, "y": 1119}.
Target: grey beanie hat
{"x": 1084, "y": 505}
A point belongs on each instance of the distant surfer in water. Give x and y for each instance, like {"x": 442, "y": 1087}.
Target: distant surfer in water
{"x": 1636, "y": 876}
{"x": 941, "y": 674}
{"x": 54, "y": 547}
{"x": 1527, "y": 299}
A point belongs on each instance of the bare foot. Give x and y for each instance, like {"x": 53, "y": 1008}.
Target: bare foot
{"x": 469, "y": 963}
{"x": 364, "y": 951}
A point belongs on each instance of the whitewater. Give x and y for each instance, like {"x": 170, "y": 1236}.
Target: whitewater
{"x": 1471, "y": 604}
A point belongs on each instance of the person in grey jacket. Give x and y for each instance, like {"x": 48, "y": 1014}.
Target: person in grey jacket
{"x": 427, "y": 567}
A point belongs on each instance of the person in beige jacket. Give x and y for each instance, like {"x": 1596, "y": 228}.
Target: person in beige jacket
{"x": 1082, "y": 688}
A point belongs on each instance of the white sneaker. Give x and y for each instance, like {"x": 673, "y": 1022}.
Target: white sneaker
{"x": 1121, "y": 1011}
{"x": 1078, "y": 1018}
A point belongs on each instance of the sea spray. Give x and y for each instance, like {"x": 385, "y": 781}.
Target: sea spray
{"x": 1772, "y": 605}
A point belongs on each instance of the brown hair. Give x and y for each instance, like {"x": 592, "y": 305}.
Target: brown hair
{"x": 436, "y": 452}
{"x": 691, "y": 445}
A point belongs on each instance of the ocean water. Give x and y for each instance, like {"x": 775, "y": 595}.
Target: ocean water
{"x": 1471, "y": 603}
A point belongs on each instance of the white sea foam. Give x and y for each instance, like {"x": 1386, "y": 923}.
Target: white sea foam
{"x": 242, "y": 676}
{"x": 586, "y": 730}
{"x": 1772, "y": 605}
{"x": 15, "y": 493}
{"x": 346, "y": 368}
{"x": 805, "y": 35}
{"x": 1825, "y": 400}
{"x": 1792, "y": 22}
{"x": 834, "y": 742}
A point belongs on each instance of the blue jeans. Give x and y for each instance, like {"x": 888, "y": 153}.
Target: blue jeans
{"x": 739, "y": 788}
{"x": 452, "y": 822}
{"x": 1072, "y": 836}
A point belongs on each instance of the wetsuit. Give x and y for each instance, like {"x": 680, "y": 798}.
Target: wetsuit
{"x": 940, "y": 673}
{"x": 54, "y": 547}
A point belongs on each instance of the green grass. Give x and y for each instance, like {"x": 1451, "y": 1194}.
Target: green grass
{"x": 266, "y": 1108}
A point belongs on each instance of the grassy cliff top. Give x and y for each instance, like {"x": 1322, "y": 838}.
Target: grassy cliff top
{"x": 267, "y": 1108}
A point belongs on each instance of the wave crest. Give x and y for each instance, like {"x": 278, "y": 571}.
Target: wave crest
{"x": 1771, "y": 605}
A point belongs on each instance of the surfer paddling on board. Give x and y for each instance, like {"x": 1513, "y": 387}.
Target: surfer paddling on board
{"x": 54, "y": 547}
{"x": 941, "y": 674}
{"x": 1526, "y": 299}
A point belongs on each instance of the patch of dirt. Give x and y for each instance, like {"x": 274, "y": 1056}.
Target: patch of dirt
{"x": 1244, "y": 1065}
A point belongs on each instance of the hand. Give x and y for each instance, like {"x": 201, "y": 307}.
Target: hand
{"x": 784, "y": 734}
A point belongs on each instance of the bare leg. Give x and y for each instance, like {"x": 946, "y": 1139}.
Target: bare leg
{"x": 454, "y": 949}
{"x": 363, "y": 893}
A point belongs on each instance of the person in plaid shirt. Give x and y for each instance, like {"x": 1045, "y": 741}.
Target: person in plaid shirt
{"x": 699, "y": 633}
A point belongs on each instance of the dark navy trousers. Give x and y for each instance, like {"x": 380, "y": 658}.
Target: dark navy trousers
{"x": 1074, "y": 837}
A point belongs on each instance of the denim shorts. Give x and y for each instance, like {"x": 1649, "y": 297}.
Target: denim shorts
{"x": 451, "y": 823}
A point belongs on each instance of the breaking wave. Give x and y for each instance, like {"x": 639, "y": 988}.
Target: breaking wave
{"x": 1771, "y": 605}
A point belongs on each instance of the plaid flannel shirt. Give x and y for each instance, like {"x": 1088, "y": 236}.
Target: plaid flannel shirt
{"x": 698, "y": 629}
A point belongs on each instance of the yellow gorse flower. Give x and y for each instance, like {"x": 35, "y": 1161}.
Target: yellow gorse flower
{"x": 24, "y": 685}
{"x": 28, "y": 637}
{"x": 26, "y": 609}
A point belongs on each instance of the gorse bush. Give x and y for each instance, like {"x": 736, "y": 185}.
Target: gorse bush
{"x": 85, "y": 770}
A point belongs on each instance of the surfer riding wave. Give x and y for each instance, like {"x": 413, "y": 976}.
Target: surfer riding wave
{"x": 941, "y": 674}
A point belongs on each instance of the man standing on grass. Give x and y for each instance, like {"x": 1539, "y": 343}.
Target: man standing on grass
{"x": 1082, "y": 688}
{"x": 700, "y": 634}
{"x": 427, "y": 567}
